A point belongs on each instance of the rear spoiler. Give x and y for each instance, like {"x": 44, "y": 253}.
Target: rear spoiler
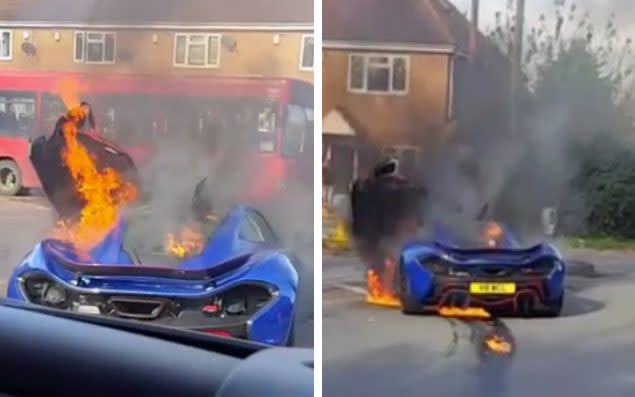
{"x": 533, "y": 250}
{"x": 82, "y": 269}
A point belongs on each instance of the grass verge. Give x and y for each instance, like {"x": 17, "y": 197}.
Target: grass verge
{"x": 600, "y": 243}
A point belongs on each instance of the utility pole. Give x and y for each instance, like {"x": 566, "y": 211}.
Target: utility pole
{"x": 475, "y": 7}
{"x": 516, "y": 65}
{"x": 474, "y": 28}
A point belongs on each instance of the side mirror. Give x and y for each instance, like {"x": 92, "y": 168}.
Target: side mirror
{"x": 549, "y": 221}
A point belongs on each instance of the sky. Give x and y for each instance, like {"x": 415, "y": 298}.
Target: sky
{"x": 599, "y": 10}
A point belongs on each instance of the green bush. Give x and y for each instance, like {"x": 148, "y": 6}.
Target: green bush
{"x": 578, "y": 154}
{"x": 608, "y": 186}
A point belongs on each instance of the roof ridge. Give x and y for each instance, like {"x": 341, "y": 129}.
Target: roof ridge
{"x": 443, "y": 28}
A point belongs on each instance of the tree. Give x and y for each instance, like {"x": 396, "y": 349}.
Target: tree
{"x": 554, "y": 35}
{"x": 577, "y": 155}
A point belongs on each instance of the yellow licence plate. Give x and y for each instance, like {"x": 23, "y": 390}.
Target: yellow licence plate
{"x": 492, "y": 288}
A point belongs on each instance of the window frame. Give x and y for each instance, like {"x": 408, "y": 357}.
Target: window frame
{"x": 207, "y": 36}
{"x": 249, "y": 222}
{"x": 391, "y": 59}
{"x": 84, "y": 34}
{"x": 256, "y": 219}
{"x": 302, "y": 49}
{"x": 10, "y": 56}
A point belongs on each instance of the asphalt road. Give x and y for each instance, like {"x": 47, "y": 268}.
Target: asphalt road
{"x": 589, "y": 351}
{"x": 25, "y": 220}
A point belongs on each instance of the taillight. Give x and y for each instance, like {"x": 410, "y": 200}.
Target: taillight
{"x": 436, "y": 265}
{"x": 242, "y": 300}
{"x": 43, "y": 291}
{"x": 211, "y": 309}
{"x": 218, "y": 332}
{"x": 542, "y": 267}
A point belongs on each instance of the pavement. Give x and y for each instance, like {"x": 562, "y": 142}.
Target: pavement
{"x": 26, "y": 220}
{"x": 588, "y": 351}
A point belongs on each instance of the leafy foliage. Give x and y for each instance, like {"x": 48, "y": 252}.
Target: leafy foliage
{"x": 555, "y": 33}
{"x": 594, "y": 136}
{"x": 578, "y": 150}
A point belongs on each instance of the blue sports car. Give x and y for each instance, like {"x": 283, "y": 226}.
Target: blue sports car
{"x": 455, "y": 261}
{"x": 241, "y": 284}
{"x": 238, "y": 281}
{"x": 503, "y": 279}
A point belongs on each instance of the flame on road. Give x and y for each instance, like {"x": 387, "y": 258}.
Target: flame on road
{"x": 379, "y": 286}
{"x": 498, "y": 344}
{"x": 460, "y": 312}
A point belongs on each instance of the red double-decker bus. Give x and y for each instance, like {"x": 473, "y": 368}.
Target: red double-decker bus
{"x": 264, "y": 122}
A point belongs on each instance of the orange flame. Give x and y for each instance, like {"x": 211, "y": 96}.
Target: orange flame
{"x": 466, "y": 312}
{"x": 379, "y": 288}
{"x": 68, "y": 91}
{"x": 498, "y": 344}
{"x": 190, "y": 241}
{"x": 104, "y": 193}
{"x": 492, "y": 234}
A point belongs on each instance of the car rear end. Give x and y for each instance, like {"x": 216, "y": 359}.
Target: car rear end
{"x": 234, "y": 300}
{"x": 502, "y": 281}
{"x": 227, "y": 312}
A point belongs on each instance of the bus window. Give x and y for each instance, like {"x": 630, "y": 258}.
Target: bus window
{"x": 266, "y": 120}
{"x": 17, "y": 113}
{"x": 212, "y": 124}
{"x": 266, "y": 129}
{"x": 128, "y": 119}
{"x": 226, "y": 124}
{"x": 309, "y": 131}
{"x": 52, "y": 109}
{"x": 309, "y": 117}
{"x": 295, "y": 131}
{"x": 181, "y": 117}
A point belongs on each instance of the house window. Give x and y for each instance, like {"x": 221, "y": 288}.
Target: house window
{"x": 197, "y": 50}
{"x": 94, "y": 47}
{"x": 6, "y": 39}
{"x": 378, "y": 73}
{"x": 306, "y": 54}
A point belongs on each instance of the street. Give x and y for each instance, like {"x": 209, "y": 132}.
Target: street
{"x": 25, "y": 220}
{"x": 589, "y": 351}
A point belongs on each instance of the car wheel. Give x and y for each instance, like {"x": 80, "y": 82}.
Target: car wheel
{"x": 554, "y": 309}
{"x": 10, "y": 178}
{"x": 409, "y": 305}
{"x": 291, "y": 338}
